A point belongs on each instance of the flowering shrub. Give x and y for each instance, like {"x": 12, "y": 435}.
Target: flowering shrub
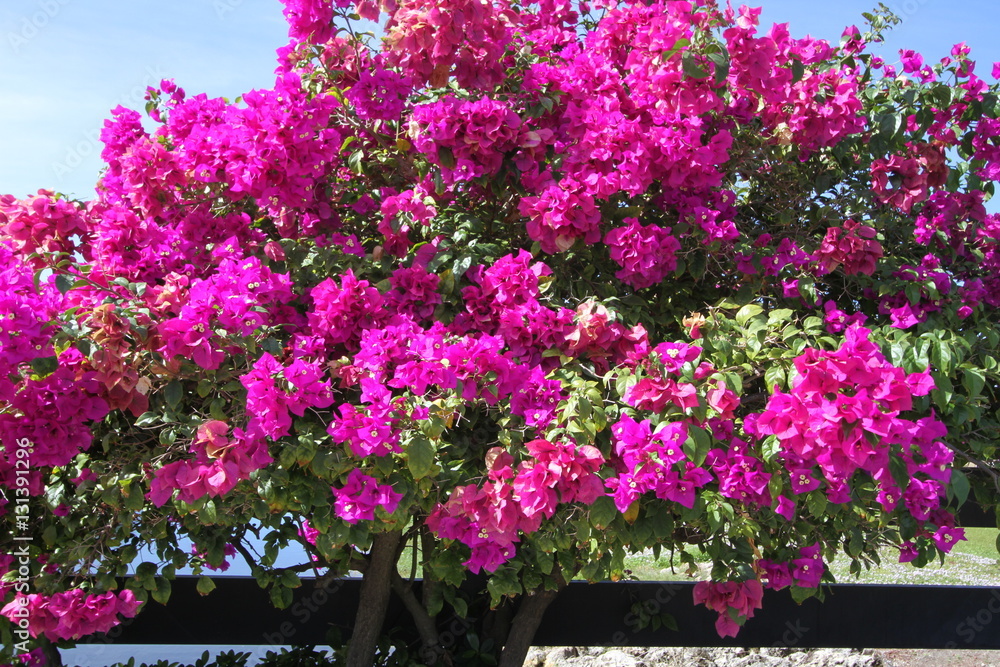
{"x": 441, "y": 293}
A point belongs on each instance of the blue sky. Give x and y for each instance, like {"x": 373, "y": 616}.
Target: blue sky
{"x": 65, "y": 63}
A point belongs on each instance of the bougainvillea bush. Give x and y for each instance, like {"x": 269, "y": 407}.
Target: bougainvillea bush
{"x": 515, "y": 290}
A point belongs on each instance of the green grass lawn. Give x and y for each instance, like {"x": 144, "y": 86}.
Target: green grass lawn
{"x": 974, "y": 562}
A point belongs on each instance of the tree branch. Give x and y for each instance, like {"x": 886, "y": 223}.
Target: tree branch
{"x": 375, "y": 591}
{"x": 982, "y": 465}
{"x": 425, "y": 623}
{"x": 526, "y": 621}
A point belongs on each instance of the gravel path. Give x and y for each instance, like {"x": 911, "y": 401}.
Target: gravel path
{"x": 768, "y": 657}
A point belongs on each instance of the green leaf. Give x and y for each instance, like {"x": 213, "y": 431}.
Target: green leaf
{"x": 800, "y": 594}
{"x": 420, "y": 454}
{"x": 603, "y": 512}
{"x": 798, "y": 70}
{"x": 147, "y": 418}
{"x": 354, "y": 161}
{"x": 209, "y": 513}
{"x": 678, "y": 45}
{"x": 697, "y": 445}
{"x": 816, "y": 502}
{"x": 774, "y": 377}
{"x": 770, "y": 448}
{"x": 162, "y": 591}
{"x": 446, "y": 157}
{"x": 697, "y": 265}
{"x": 281, "y": 598}
{"x": 888, "y": 124}
{"x": 173, "y": 393}
{"x": 897, "y": 468}
{"x": 807, "y": 290}
{"x": 43, "y": 366}
{"x": 746, "y": 312}
{"x": 462, "y": 264}
{"x": 205, "y": 585}
{"x": 780, "y": 315}
{"x": 669, "y": 622}
{"x": 973, "y": 380}
{"x": 960, "y": 486}
{"x": 941, "y": 356}
{"x": 545, "y": 561}
{"x": 64, "y": 283}
{"x": 691, "y": 67}
{"x": 289, "y": 579}
{"x": 145, "y": 575}
{"x": 134, "y": 501}
{"x": 661, "y": 521}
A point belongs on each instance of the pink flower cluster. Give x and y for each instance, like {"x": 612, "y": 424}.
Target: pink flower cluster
{"x": 903, "y": 181}
{"x": 371, "y": 430}
{"x": 229, "y": 550}
{"x": 560, "y": 214}
{"x": 653, "y": 461}
{"x": 467, "y": 139}
{"x": 904, "y": 312}
{"x": 53, "y": 413}
{"x": 276, "y": 391}
{"x": 361, "y": 495}
{"x": 852, "y": 246}
{"x": 741, "y": 474}
{"x": 603, "y": 340}
{"x": 25, "y": 332}
{"x": 734, "y": 601}
{"x": 42, "y": 223}
{"x": 986, "y": 144}
{"x": 815, "y": 109}
{"x": 221, "y": 462}
{"x": 71, "y": 614}
{"x": 805, "y": 571}
{"x": 504, "y": 299}
{"x": 943, "y": 219}
{"x": 340, "y": 313}
{"x": 380, "y": 94}
{"x": 230, "y": 299}
{"x": 645, "y": 253}
{"x": 490, "y": 519}
{"x": 429, "y": 40}
{"x": 310, "y": 20}
{"x": 278, "y": 149}
{"x": 398, "y": 212}
{"x": 843, "y": 416}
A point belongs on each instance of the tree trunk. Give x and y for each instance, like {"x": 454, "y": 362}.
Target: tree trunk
{"x": 431, "y": 651}
{"x": 375, "y": 590}
{"x": 522, "y": 631}
{"x": 496, "y": 625}
{"x": 50, "y": 654}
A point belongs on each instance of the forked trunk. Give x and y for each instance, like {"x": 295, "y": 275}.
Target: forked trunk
{"x": 375, "y": 590}
{"x": 522, "y": 631}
